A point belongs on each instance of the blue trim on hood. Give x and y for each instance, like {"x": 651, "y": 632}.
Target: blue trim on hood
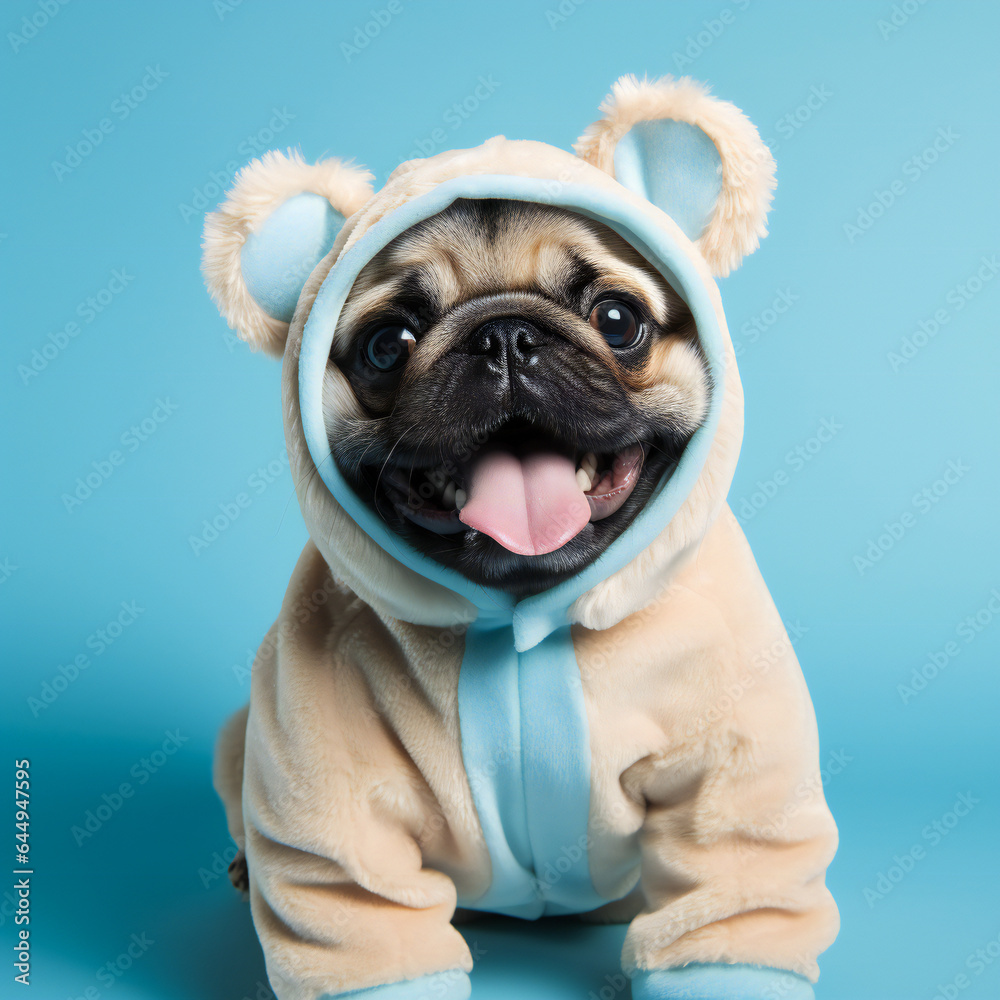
{"x": 535, "y": 617}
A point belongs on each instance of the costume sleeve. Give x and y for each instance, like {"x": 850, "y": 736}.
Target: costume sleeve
{"x": 735, "y": 845}
{"x": 335, "y": 814}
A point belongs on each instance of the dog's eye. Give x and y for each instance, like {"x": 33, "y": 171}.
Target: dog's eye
{"x": 389, "y": 347}
{"x": 616, "y": 322}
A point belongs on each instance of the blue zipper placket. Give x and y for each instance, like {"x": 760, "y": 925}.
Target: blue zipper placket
{"x": 526, "y": 750}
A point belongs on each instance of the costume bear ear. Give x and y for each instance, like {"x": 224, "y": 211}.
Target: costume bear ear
{"x": 698, "y": 158}
{"x": 280, "y": 219}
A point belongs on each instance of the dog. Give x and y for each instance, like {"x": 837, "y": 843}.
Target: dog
{"x": 526, "y": 663}
{"x": 497, "y": 346}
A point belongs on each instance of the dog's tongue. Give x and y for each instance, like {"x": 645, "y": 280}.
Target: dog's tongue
{"x": 530, "y": 505}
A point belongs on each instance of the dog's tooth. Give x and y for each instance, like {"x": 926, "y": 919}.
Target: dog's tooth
{"x": 589, "y": 464}
{"x": 583, "y": 479}
{"x": 460, "y": 498}
{"x": 449, "y": 494}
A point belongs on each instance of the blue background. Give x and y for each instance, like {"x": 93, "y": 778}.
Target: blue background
{"x": 234, "y": 71}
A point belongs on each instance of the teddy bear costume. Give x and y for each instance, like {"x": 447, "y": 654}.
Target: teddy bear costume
{"x": 636, "y": 743}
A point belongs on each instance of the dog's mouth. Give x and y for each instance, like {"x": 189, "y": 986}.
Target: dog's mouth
{"x": 528, "y": 493}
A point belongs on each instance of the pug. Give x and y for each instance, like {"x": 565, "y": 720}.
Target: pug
{"x": 522, "y": 380}
{"x": 526, "y": 663}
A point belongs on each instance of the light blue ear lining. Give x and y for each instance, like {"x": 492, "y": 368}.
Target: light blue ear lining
{"x": 277, "y": 259}
{"x": 675, "y": 166}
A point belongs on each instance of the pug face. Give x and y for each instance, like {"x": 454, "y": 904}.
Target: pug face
{"x": 521, "y": 380}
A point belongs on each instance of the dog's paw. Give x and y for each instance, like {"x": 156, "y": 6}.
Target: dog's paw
{"x": 239, "y": 875}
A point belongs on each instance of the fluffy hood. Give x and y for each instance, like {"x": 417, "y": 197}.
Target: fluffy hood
{"x": 683, "y": 177}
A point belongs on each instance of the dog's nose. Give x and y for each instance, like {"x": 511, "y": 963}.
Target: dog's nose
{"x": 505, "y": 338}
